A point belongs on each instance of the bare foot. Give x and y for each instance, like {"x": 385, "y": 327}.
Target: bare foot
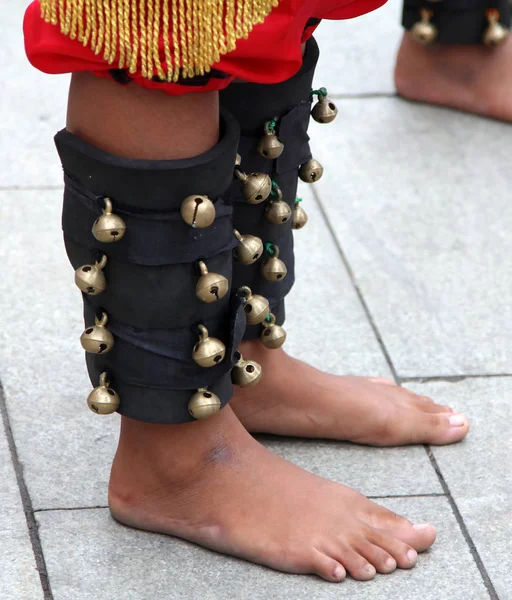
{"x": 475, "y": 79}
{"x": 296, "y": 399}
{"x": 211, "y": 483}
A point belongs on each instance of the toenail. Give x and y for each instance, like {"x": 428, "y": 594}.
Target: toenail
{"x": 390, "y": 563}
{"x": 412, "y": 555}
{"x": 339, "y": 572}
{"x": 457, "y": 420}
{"x": 421, "y": 526}
{"x": 369, "y": 568}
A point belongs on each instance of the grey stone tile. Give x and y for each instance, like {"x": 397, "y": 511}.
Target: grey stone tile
{"x": 478, "y": 471}
{"x": 357, "y": 56}
{"x": 418, "y": 197}
{"x": 91, "y": 557}
{"x": 19, "y": 578}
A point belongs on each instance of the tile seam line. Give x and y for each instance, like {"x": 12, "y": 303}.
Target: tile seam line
{"x": 26, "y": 501}
{"x": 452, "y": 378}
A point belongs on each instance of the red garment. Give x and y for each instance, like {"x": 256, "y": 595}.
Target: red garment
{"x": 271, "y": 54}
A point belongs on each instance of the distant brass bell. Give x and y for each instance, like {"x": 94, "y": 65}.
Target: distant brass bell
{"x": 274, "y": 268}
{"x": 246, "y": 373}
{"x": 324, "y": 110}
{"x": 256, "y": 307}
{"x": 273, "y": 336}
{"x": 270, "y": 146}
{"x": 211, "y": 286}
{"x": 424, "y": 31}
{"x": 103, "y": 400}
{"x": 198, "y": 211}
{"x": 277, "y": 211}
{"x": 203, "y": 404}
{"x": 496, "y": 33}
{"x": 311, "y": 171}
{"x": 97, "y": 339}
{"x": 256, "y": 186}
{"x": 208, "y": 351}
{"x": 90, "y": 278}
{"x": 249, "y": 248}
{"x": 109, "y": 227}
{"x": 238, "y": 160}
{"x": 300, "y": 217}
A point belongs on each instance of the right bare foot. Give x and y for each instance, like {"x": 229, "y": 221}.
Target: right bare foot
{"x": 211, "y": 483}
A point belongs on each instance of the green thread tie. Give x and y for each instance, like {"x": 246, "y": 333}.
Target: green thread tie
{"x": 320, "y": 92}
{"x": 270, "y": 126}
{"x": 298, "y": 201}
{"x": 268, "y": 319}
{"x": 269, "y": 247}
{"x": 275, "y": 187}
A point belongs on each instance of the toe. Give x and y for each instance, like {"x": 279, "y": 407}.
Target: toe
{"x": 404, "y": 556}
{"x": 357, "y": 565}
{"x": 382, "y": 380}
{"x": 327, "y": 568}
{"x": 437, "y": 428}
{"x": 419, "y": 536}
{"x": 379, "y": 558}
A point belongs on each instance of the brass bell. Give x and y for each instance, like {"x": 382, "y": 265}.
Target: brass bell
{"x": 103, "y": 400}
{"x": 97, "y": 339}
{"x": 198, "y": 211}
{"x": 109, "y": 227}
{"x": 208, "y": 351}
{"x": 300, "y": 216}
{"x": 274, "y": 268}
{"x": 311, "y": 171}
{"x": 496, "y": 33}
{"x": 273, "y": 336}
{"x": 211, "y": 286}
{"x": 249, "y": 248}
{"x": 324, "y": 110}
{"x": 203, "y": 404}
{"x": 424, "y": 31}
{"x": 246, "y": 373}
{"x": 256, "y": 186}
{"x": 277, "y": 211}
{"x": 90, "y": 278}
{"x": 270, "y": 146}
{"x": 238, "y": 160}
{"x": 256, "y": 307}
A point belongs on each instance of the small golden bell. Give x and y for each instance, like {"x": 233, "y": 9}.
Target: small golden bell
{"x": 256, "y": 307}
{"x": 273, "y": 336}
{"x": 256, "y": 186}
{"x": 274, "y": 268}
{"x": 496, "y": 33}
{"x": 97, "y": 339}
{"x": 300, "y": 217}
{"x": 249, "y": 248}
{"x": 211, "y": 286}
{"x": 90, "y": 278}
{"x": 311, "y": 171}
{"x": 109, "y": 227}
{"x": 424, "y": 31}
{"x": 277, "y": 211}
{"x": 203, "y": 404}
{"x": 198, "y": 211}
{"x": 246, "y": 373}
{"x": 103, "y": 400}
{"x": 270, "y": 146}
{"x": 208, "y": 351}
{"x": 238, "y": 160}
{"x": 324, "y": 110}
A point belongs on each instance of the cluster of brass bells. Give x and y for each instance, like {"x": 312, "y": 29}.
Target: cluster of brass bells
{"x": 90, "y": 278}
{"x": 424, "y": 31}
{"x": 324, "y": 110}
{"x": 256, "y": 186}
{"x": 97, "y": 339}
{"x": 311, "y": 171}
{"x": 249, "y": 248}
{"x": 277, "y": 211}
{"x": 203, "y": 404}
{"x": 246, "y": 372}
{"x": 256, "y": 307}
{"x": 208, "y": 351}
{"x": 270, "y": 146}
{"x": 211, "y": 286}
{"x": 496, "y": 33}
{"x": 273, "y": 336}
{"x": 109, "y": 227}
{"x": 198, "y": 211}
{"x": 300, "y": 216}
{"x": 274, "y": 269}
{"x": 103, "y": 400}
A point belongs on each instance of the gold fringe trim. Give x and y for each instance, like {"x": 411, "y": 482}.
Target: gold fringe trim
{"x": 134, "y": 33}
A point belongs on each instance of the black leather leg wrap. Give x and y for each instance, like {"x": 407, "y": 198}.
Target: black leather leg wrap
{"x": 151, "y": 273}
{"x": 289, "y": 104}
{"x": 457, "y": 21}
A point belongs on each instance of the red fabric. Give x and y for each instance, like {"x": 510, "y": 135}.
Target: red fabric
{"x": 271, "y": 54}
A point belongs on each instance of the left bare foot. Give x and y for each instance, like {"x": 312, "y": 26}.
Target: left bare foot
{"x": 297, "y": 400}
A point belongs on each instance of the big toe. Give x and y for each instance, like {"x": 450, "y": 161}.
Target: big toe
{"x": 440, "y": 428}
{"x": 419, "y": 536}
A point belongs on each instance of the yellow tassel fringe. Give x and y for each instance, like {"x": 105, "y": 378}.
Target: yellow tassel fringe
{"x": 129, "y": 31}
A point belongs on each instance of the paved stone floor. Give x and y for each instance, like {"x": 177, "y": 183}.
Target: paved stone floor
{"x": 404, "y": 270}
